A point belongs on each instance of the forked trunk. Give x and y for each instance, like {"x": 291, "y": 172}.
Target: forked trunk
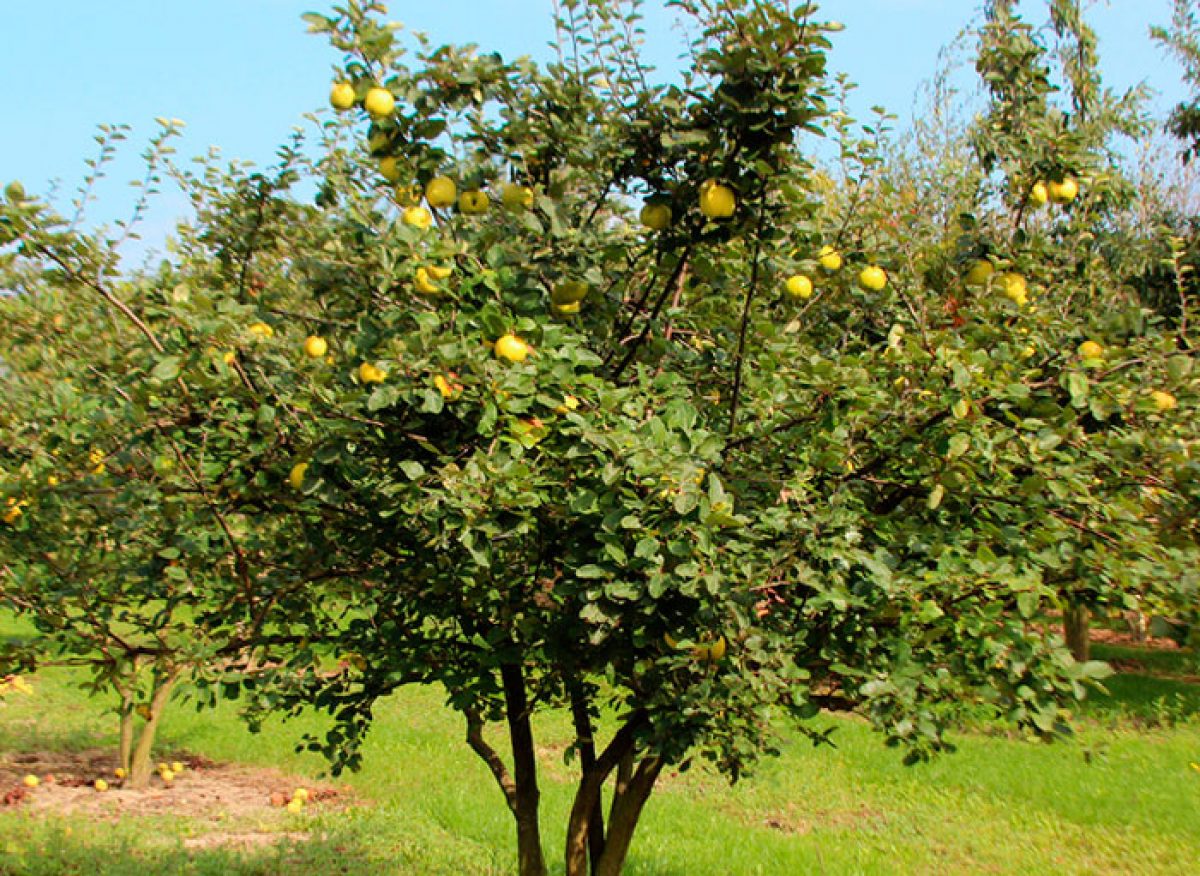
{"x": 623, "y": 819}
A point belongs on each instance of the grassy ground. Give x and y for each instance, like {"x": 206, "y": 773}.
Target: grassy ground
{"x": 1121, "y": 798}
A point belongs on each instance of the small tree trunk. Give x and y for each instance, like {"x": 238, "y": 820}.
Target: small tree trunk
{"x": 139, "y": 767}
{"x": 531, "y": 859}
{"x": 587, "y": 763}
{"x": 126, "y": 750}
{"x": 1075, "y": 630}
{"x": 1139, "y": 625}
{"x": 588, "y": 796}
{"x": 623, "y": 819}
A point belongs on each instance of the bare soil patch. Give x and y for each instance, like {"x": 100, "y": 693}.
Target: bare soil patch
{"x": 1126, "y": 640}
{"x": 216, "y": 796}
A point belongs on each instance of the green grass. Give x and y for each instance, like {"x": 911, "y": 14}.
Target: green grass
{"x": 1120, "y": 798}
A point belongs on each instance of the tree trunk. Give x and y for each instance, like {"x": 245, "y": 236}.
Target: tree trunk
{"x": 584, "y": 736}
{"x": 126, "y": 749}
{"x": 1139, "y": 625}
{"x": 589, "y": 795}
{"x": 1075, "y": 630}
{"x": 530, "y": 857}
{"x": 623, "y": 818}
{"x": 139, "y": 766}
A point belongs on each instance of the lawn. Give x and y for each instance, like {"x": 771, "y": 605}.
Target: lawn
{"x": 1122, "y": 797}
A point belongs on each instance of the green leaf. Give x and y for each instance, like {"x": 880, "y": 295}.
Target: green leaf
{"x": 412, "y": 469}
{"x": 167, "y": 369}
{"x": 935, "y": 497}
{"x": 1077, "y": 386}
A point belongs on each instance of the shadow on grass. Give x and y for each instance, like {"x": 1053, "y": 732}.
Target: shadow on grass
{"x": 40, "y": 849}
{"x": 1146, "y": 699}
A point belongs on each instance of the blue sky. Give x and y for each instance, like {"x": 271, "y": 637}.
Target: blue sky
{"x": 242, "y": 73}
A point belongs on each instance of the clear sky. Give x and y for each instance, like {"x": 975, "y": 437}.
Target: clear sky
{"x": 242, "y": 73}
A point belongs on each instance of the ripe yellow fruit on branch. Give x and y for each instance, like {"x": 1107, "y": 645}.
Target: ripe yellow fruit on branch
{"x": 296, "y": 476}
{"x": 439, "y": 272}
{"x": 447, "y": 387}
{"x": 315, "y": 347}
{"x": 1039, "y": 195}
{"x": 424, "y": 284}
{"x": 441, "y": 192}
{"x": 569, "y": 292}
{"x": 799, "y": 286}
{"x": 262, "y": 330}
{"x": 389, "y": 169}
{"x": 980, "y": 272}
{"x": 341, "y": 96}
{"x": 1014, "y": 287}
{"x": 512, "y": 348}
{"x": 516, "y": 198}
{"x": 703, "y": 653}
{"x": 656, "y": 217}
{"x": 368, "y": 373}
{"x": 872, "y": 278}
{"x": 829, "y": 258}
{"x": 473, "y": 202}
{"x": 1163, "y": 401}
{"x": 418, "y": 217}
{"x": 717, "y": 201}
{"x": 1064, "y": 191}
{"x": 1091, "y": 350}
{"x": 379, "y": 102}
